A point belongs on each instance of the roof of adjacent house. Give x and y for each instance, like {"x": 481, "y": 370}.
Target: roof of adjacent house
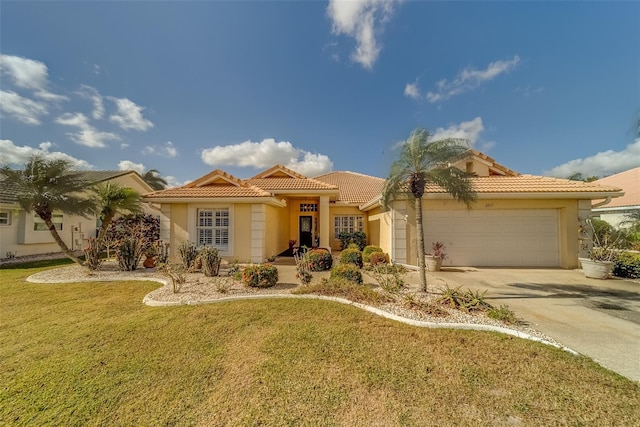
{"x": 629, "y": 181}
{"x": 9, "y": 193}
{"x": 354, "y": 187}
{"x": 495, "y": 167}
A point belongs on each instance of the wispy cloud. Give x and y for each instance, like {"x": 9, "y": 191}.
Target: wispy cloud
{"x": 411, "y": 90}
{"x": 12, "y": 154}
{"x": 22, "y": 109}
{"x": 470, "y": 78}
{"x": 267, "y": 153}
{"x": 128, "y": 165}
{"x": 94, "y": 96}
{"x": 86, "y": 134}
{"x": 601, "y": 164}
{"x": 469, "y": 130}
{"x": 29, "y": 74}
{"x": 363, "y": 20}
{"x": 129, "y": 115}
{"x": 167, "y": 150}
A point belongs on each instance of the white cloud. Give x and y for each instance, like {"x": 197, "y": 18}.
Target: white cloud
{"x": 470, "y": 131}
{"x": 166, "y": 150}
{"x": 267, "y": 153}
{"x": 12, "y": 154}
{"x": 470, "y": 78}
{"x": 362, "y": 20}
{"x": 411, "y": 90}
{"x": 128, "y": 165}
{"x": 20, "y": 108}
{"x": 601, "y": 164}
{"x": 29, "y": 74}
{"x": 172, "y": 182}
{"x": 129, "y": 115}
{"x": 94, "y": 96}
{"x": 86, "y": 135}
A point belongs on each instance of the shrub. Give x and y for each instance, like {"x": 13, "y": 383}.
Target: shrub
{"x": 129, "y": 252}
{"x": 390, "y": 282}
{"x": 93, "y": 254}
{"x": 503, "y": 314}
{"x": 260, "y": 276}
{"x": 348, "y": 272}
{"x": 627, "y": 265}
{"x": 464, "y": 300}
{"x": 210, "y": 260}
{"x": 319, "y": 259}
{"x": 378, "y": 258}
{"x": 358, "y": 238}
{"x": 143, "y": 227}
{"x": 340, "y": 287}
{"x": 176, "y": 273}
{"x": 368, "y": 250}
{"x": 351, "y": 256}
{"x": 188, "y": 254}
{"x": 222, "y": 284}
{"x": 303, "y": 269}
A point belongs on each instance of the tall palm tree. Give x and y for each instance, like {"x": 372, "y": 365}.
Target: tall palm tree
{"x": 114, "y": 199}
{"x": 155, "y": 181}
{"x": 421, "y": 162}
{"x": 45, "y": 186}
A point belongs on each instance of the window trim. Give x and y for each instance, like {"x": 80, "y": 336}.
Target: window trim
{"x": 353, "y": 223}
{"x": 40, "y": 225}
{"x": 8, "y": 215}
{"x": 193, "y": 219}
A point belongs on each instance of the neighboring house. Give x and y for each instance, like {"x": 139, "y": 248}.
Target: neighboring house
{"x": 23, "y": 233}
{"x": 518, "y": 220}
{"x": 616, "y": 210}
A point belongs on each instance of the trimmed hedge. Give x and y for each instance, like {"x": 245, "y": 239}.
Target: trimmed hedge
{"x": 351, "y": 256}
{"x": 368, "y": 250}
{"x": 627, "y": 265}
{"x": 348, "y": 272}
{"x": 260, "y": 276}
{"x": 319, "y": 259}
{"x": 378, "y": 258}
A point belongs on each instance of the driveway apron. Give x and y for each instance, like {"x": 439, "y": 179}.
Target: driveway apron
{"x": 597, "y": 318}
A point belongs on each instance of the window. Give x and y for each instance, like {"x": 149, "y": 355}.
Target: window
{"x": 347, "y": 223}
{"x": 39, "y": 224}
{"x": 213, "y": 228}
{"x": 308, "y": 207}
{"x": 5, "y": 218}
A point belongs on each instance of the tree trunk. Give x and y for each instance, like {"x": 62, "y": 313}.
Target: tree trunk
{"x": 420, "y": 238}
{"x": 60, "y": 242}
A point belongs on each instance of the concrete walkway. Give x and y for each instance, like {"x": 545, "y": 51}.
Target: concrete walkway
{"x": 598, "y": 318}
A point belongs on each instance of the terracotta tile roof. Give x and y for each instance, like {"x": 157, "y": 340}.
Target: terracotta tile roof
{"x": 215, "y": 191}
{"x": 495, "y": 165}
{"x": 279, "y": 171}
{"x": 354, "y": 187}
{"x": 530, "y": 184}
{"x": 629, "y": 181}
{"x": 284, "y": 184}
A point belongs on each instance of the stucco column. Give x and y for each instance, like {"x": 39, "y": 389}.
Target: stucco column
{"x": 324, "y": 221}
{"x": 257, "y": 233}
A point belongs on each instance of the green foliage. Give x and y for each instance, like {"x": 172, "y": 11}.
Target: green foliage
{"x": 464, "y": 300}
{"x": 143, "y": 227}
{"x": 303, "y": 268}
{"x": 351, "y": 256}
{"x": 129, "y": 252}
{"x": 188, "y": 254}
{"x": 368, "y": 250}
{"x": 502, "y": 314}
{"x": 390, "y": 282}
{"x": 210, "y": 260}
{"x": 378, "y": 258}
{"x": 627, "y": 265}
{"x": 260, "y": 276}
{"x": 359, "y": 238}
{"x": 348, "y": 272}
{"x": 319, "y": 259}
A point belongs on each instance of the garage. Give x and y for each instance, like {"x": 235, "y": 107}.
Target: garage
{"x": 496, "y": 238}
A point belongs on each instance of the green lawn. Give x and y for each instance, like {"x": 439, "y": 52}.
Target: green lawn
{"x": 92, "y": 354}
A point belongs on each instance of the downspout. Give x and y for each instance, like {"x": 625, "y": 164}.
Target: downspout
{"x": 602, "y": 203}
{"x": 154, "y": 207}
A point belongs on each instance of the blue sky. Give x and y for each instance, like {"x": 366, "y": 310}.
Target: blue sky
{"x": 186, "y": 87}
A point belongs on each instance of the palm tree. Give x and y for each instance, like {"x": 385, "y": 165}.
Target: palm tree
{"x": 155, "y": 181}
{"x": 114, "y": 199}
{"x": 421, "y": 162}
{"x": 45, "y": 186}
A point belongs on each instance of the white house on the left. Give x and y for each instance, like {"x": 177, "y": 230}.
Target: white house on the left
{"x": 23, "y": 233}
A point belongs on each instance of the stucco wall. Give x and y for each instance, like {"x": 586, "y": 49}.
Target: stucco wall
{"x": 241, "y": 232}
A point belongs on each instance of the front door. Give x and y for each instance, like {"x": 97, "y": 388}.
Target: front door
{"x": 306, "y": 236}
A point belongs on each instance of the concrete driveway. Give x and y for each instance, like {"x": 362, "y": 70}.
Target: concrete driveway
{"x": 597, "y": 318}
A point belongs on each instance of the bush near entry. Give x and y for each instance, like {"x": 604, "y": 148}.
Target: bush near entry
{"x": 627, "y": 265}
{"x": 260, "y": 276}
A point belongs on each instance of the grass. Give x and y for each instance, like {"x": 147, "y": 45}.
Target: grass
{"x": 92, "y": 354}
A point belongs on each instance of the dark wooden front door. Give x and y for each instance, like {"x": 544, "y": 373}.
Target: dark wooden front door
{"x": 306, "y": 235}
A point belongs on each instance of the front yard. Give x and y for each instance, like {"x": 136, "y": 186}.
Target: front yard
{"x": 92, "y": 354}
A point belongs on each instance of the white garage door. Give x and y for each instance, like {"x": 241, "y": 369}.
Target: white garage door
{"x": 500, "y": 238}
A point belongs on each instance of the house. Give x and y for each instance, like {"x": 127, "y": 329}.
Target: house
{"x": 615, "y": 211}
{"x": 518, "y": 220}
{"x": 23, "y": 233}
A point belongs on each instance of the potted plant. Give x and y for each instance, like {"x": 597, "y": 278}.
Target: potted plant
{"x": 150, "y": 261}
{"x": 603, "y": 250}
{"x": 433, "y": 261}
